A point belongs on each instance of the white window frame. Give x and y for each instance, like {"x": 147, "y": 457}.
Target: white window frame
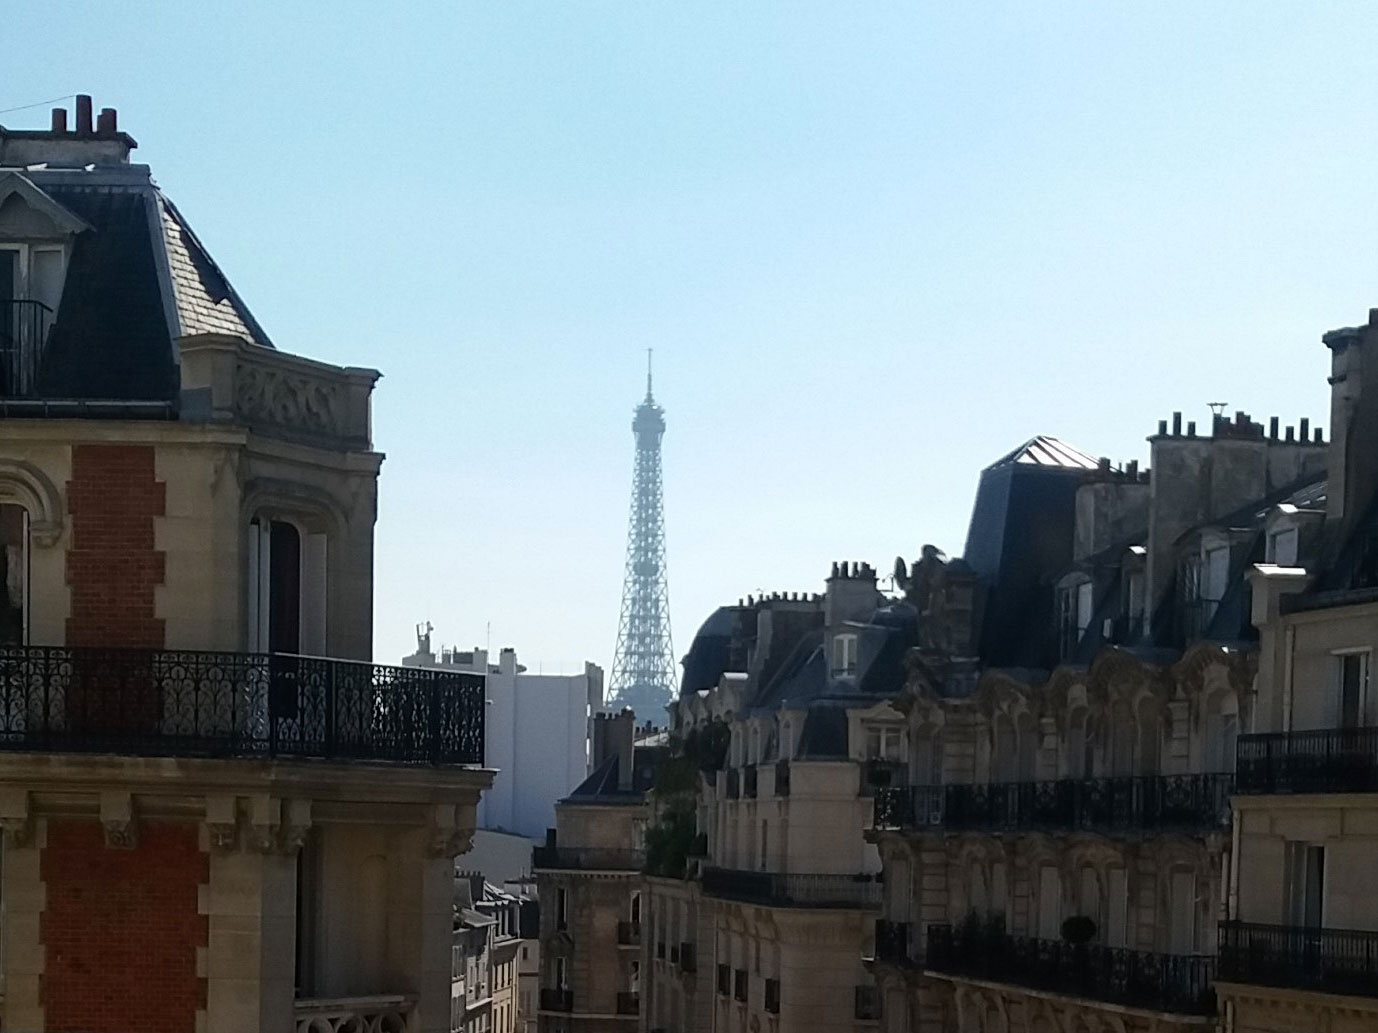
{"x": 1367, "y": 704}
{"x": 883, "y": 742}
{"x": 845, "y": 654}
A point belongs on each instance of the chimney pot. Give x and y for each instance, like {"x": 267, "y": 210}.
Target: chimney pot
{"x": 1273, "y": 427}
{"x": 1162, "y": 428}
{"x": 84, "y": 114}
{"x": 1191, "y": 428}
{"x": 105, "y": 122}
{"x": 59, "y": 120}
{"x": 1291, "y": 434}
{"x": 1320, "y": 438}
{"x": 1304, "y": 428}
{"x": 1131, "y": 469}
{"x": 1176, "y": 424}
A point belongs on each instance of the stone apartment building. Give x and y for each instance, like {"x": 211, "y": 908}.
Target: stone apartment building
{"x": 487, "y": 941}
{"x": 777, "y": 910}
{"x": 1300, "y": 948}
{"x": 1060, "y": 856}
{"x": 588, "y": 879}
{"x": 217, "y": 814}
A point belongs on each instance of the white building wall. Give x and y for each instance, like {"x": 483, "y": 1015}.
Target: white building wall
{"x": 536, "y": 735}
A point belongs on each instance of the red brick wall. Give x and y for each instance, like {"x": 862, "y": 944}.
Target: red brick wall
{"x": 112, "y": 566}
{"x": 121, "y": 929}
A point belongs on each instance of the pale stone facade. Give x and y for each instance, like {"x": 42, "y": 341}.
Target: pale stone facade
{"x": 1300, "y": 951}
{"x": 227, "y": 835}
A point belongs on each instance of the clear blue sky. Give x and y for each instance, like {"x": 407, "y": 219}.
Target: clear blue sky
{"x": 874, "y": 246}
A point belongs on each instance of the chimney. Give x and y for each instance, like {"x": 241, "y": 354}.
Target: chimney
{"x": 102, "y": 145}
{"x": 83, "y": 114}
{"x": 1176, "y": 425}
{"x": 1273, "y": 427}
{"x": 1350, "y": 465}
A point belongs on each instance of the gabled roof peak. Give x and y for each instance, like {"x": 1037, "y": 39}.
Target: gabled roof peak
{"x": 1047, "y": 451}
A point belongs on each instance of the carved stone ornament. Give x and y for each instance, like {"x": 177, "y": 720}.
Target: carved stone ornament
{"x": 288, "y": 400}
{"x": 450, "y": 842}
{"x": 224, "y": 836}
{"x": 292, "y": 837}
{"x": 261, "y": 839}
{"x": 16, "y": 830}
{"x": 121, "y": 833}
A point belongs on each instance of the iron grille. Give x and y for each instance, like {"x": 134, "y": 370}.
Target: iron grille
{"x": 777, "y": 889}
{"x": 1177, "y": 983}
{"x": 1339, "y": 961}
{"x": 198, "y": 704}
{"x": 1330, "y": 760}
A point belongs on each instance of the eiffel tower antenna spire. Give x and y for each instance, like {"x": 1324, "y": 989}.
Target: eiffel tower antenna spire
{"x": 643, "y": 669}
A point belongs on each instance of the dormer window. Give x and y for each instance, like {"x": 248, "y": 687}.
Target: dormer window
{"x": 844, "y": 655}
{"x": 1074, "y": 603}
{"x": 1282, "y": 547}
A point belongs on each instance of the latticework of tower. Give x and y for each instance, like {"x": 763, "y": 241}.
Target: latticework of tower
{"x": 643, "y": 669}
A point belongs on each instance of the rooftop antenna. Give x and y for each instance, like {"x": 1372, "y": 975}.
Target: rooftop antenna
{"x": 648, "y": 372}
{"x": 1217, "y": 408}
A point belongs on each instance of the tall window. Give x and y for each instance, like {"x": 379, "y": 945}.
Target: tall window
{"x": 844, "y": 654}
{"x": 1117, "y": 908}
{"x": 1182, "y": 913}
{"x": 883, "y": 743}
{"x": 1217, "y": 575}
{"x": 287, "y": 589}
{"x": 1356, "y": 709}
{"x": 1049, "y": 903}
{"x": 561, "y": 972}
{"x": 1074, "y": 614}
{"x": 561, "y": 909}
{"x": 14, "y": 611}
{"x": 1305, "y": 884}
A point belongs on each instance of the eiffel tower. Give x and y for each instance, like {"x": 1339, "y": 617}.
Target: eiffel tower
{"x": 643, "y": 669}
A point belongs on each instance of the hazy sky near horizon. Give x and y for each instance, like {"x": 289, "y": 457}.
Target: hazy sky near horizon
{"x": 874, "y": 246}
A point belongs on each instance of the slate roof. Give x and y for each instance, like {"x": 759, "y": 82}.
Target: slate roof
{"x": 137, "y": 278}
{"x": 601, "y": 787}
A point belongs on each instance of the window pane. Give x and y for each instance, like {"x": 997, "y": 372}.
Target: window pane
{"x": 14, "y": 539}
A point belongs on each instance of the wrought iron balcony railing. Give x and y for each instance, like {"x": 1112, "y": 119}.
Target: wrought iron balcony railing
{"x": 162, "y": 703}
{"x": 587, "y": 859}
{"x": 734, "y": 784}
{"x": 556, "y": 1000}
{"x": 1180, "y": 984}
{"x": 1339, "y": 961}
{"x": 1330, "y": 760}
{"x": 24, "y": 327}
{"x": 866, "y": 1006}
{"x": 628, "y": 1003}
{"x": 782, "y": 778}
{"x": 892, "y": 942}
{"x": 778, "y": 889}
{"x": 629, "y": 934}
{"x": 1127, "y": 804}
{"x": 749, "y": 782}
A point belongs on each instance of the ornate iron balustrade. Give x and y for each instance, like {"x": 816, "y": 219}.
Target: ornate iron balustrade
{"x": 866, "y": 1006}
{"x": 1339, "y": 961}
{"x": 1177, "y": 983}
{"x": 734, "y": 783}
{"x": 384, "y": 1014}
{"x": 782, "y": 778}
{"x": 628, "y": 1003}
{"x": 556, "y": 1000}
{"x": 163, "y": 703}
{"x": 24, "y": 327}
{"x": 1330, "y": 760}
{"x": 778, "y": 889}
{"x": 892, "y": 942}
{"x": 587, "y": 859}
{"x": 629, "y": 934}
{"x": 749, "y": 782}
{"x": 1122, "y": 804}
